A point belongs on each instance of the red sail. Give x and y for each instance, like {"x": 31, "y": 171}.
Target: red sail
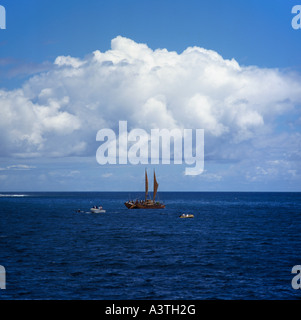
{"x": 146, "y": 185}
{"x": 156, "y": 185}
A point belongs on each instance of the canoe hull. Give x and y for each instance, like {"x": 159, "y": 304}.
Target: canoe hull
{"x": 144, "y": 205}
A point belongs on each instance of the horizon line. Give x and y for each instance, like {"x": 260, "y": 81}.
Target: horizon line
{"x": 259, "y": 191}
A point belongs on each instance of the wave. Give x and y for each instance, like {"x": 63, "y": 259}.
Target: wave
{"x": 13, "y": 195}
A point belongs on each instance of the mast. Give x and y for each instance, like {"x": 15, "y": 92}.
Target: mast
{"x": 146, "y": 185}
{"x": 156, "y": 185}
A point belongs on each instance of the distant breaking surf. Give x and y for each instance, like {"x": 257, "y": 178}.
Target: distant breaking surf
{"x": 12, "y": 195}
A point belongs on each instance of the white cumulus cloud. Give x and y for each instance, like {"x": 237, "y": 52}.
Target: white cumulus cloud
{"x": 58, "y": 112}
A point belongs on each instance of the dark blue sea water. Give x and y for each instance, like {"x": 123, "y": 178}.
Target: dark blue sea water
{"x": 238, "y": 246}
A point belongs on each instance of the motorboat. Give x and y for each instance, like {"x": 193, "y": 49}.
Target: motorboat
{"x": 96, "y": 209}
{"x": 186, "y": 215}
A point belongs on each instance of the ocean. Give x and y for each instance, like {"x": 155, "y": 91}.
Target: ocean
{"x": 238, "y": 246}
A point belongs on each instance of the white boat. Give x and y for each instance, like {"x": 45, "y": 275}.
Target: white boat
{"x": 97, "y": 209}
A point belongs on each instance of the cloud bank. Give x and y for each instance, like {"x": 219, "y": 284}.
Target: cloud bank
{"x": 247, "y": 112}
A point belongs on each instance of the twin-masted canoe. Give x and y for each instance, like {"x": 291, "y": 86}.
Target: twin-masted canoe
{"x": 146, "y": 203}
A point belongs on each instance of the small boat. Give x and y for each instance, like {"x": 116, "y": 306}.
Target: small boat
{"x": 186, "y": 215}
{"x": 147, "y": 203}
{"x": 97, "y": 209}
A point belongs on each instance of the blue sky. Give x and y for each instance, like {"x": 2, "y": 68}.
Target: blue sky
{"x": 254, "y": 32}
{"x": 252, "y": 139}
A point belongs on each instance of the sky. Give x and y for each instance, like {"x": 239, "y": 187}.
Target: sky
{"x": 71, "y": 68}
